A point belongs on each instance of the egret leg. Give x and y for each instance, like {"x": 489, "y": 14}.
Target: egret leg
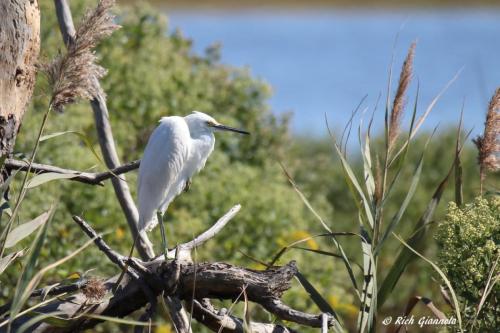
{"x": 164, "y": 245}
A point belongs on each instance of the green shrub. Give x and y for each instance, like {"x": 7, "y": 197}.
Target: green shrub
{"x": 469, "y": 243}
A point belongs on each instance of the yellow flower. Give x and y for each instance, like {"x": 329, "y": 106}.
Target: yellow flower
{"x": 163, "y": 328}
{"x": 119, "y": 233}
{"x": 300, "y": 235}
{"x": 346, "y": 309}
{"x": 257, "y": 266}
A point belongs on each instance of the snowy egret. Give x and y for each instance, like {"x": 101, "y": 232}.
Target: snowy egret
{"x": 176, "y": 150}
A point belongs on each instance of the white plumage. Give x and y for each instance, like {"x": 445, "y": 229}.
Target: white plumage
{"x": 177, "y": 149}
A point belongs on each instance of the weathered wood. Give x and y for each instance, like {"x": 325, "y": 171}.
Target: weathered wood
{"x": 129, "y": 297}
{"x": 80, "y": 176}
{"x": 223, "y": 322}
{"x": 107, "y": 142}
{"x": 19, "y": 48}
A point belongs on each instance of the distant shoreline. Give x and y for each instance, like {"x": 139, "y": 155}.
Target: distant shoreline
{"x": 319, "y": 4}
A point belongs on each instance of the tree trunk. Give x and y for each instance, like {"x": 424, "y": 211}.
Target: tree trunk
{"x": 19, "y": 47}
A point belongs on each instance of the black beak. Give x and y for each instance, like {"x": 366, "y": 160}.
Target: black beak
{"x": 231, "y": 129}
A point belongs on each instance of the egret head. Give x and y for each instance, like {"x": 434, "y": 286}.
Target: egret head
{"x": 200, "y": 122}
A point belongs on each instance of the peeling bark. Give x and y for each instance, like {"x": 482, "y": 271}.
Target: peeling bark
{"x": 19, "y": 48}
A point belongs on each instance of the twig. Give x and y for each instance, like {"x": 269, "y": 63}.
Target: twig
{"x": 324, "y": 323}
{"x": 208, "y": 316}
{"x": 179, "y": 318}
{"x": 80, "y": 176}
{"x": 285, "y": 312}
{"x": 106, "y": 141}
{"x": 212, "y": 231}
{"x": 113, "y": 256}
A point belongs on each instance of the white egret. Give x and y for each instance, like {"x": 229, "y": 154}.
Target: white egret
{"x": 177, "y": 149}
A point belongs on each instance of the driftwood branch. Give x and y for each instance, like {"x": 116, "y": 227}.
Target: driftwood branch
{"x": 175, "y": 278}
{"x": 214, "y": 230}
{"x": 80, "y": 176}
{"x": 221, "y": 321}
{"x": 106, "y": 140}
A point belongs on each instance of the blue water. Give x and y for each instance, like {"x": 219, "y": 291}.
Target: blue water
{"x": 325, "y": 61}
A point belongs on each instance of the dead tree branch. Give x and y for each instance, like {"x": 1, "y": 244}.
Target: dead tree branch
{"x": 176, "y": 279}
{"x": 80, "y": 176}
{"x": 106, "y": 140}
{"x": 217, "y": 321}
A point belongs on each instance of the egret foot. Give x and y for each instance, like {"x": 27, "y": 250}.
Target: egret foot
{"x": 164, "y": 245}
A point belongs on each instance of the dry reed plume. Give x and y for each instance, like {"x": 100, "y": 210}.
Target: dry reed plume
{"x": 94, "y": 290}
{"x": 488, "y": 144}
{"x": 399, "y": 99}
{"x": 72, "y": 75}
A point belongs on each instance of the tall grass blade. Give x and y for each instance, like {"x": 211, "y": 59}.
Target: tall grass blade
{"x": 355, "y": 188}
{"x": 326, "y": 253}
{"x": 82, "y": 137}
{"x": 367, "y": 165}
{"x": 31, "y": 285}
{"x": 422, "y": 118}
{"x": 459, "y": 196}
{"x": 41, "y": 317}
{"x": 368, "y": 294}
{"x": 442, "y": 275}
{"x": 28, "y": 271}
{"x": 322, "y": 304}
{"x": 246, "y": 314}
{"x": 320, "y": 219}
{"x": 409, "y": 195}
{"x": 488, "y": 288}
{"x": 406, "y": 256}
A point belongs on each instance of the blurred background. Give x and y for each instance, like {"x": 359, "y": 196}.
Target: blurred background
{"x": 323, "y": 57}
{"x": 275, "y": 68}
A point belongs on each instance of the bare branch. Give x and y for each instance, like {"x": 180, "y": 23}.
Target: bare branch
{"x": 80, "y": 176}
{"x": 175, "y": 278}
{"x": 214, "y": 230}
{"x": 178, "y": 315}
{"x": 106, "y": 141}
{"x": 113, "y": 256}
{"x": 218, "y": 321}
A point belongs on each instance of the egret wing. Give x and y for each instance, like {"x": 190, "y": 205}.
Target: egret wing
{"x": 164, "y": 158}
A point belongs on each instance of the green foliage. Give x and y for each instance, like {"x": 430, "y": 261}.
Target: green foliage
{"x": 469, "y": 246}
{"x": 153, "y": 72}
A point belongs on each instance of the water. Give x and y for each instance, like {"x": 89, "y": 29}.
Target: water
{"x": 325, "y": 61}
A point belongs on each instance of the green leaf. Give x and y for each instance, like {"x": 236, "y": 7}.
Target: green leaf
{"x": 5, "y": 261}
{"x": 368, "y": 294}
{"x": 82, "y": 136}
{"x": 28, "y": 272}
{"x": 409, "y": 195}
{"x": 47, "y": 177}
{"x": 25, "y": 229}
{"x": 322, "y": 304}
{"x": 352, "y": 182}
{"x": 54, "y": 135}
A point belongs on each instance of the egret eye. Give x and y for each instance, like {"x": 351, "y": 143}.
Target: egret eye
{"x": 210, "y": 123}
